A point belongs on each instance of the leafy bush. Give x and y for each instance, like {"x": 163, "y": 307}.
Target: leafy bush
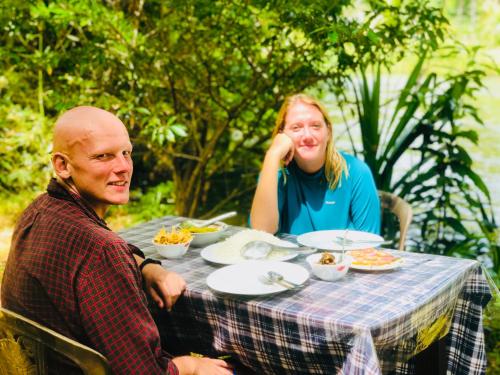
{"x": 198, "y": 82}
{"x": 154, "y": 202}
{"x": 24, "y": 150}
{"x": 492, "y": 336}
{"x": 425, "y": 120}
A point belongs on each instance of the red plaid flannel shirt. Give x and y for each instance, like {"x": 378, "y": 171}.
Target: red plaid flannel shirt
{"x": 69, "y": 271}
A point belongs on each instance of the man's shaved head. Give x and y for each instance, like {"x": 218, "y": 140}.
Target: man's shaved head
{"x": 73, "y": 126}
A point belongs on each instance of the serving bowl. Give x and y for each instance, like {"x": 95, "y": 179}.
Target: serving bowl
{"x": 202, "y": 239}
{"x": 329, "y": 272}
{"x": 173, "y": 243}
{"x": 172, "y": 251}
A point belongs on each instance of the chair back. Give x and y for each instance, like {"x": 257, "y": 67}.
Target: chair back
{"x": 27, "y": 347}
{"x": 401, "y": 209}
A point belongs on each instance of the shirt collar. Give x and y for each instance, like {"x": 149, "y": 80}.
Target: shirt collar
{"x": 56, "y": 190}
{"x": 312, "y": 176}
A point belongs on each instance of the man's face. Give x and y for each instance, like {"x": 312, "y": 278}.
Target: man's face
{"x": 101, "y": 165}
{"x": 305, "y": 125}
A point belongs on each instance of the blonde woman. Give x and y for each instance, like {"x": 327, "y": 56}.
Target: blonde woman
{"x": 319, "y": 188}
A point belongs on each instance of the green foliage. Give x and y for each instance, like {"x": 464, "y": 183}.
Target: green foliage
{"x": 424, "y": 121}
{"x": 198, "y": 82}
{"x": 155, "y": 202}
{"x": 24, "y": 150}
{"x": 492, "y": 335}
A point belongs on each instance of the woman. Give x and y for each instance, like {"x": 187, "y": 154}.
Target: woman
{"x": 319, "y": 188}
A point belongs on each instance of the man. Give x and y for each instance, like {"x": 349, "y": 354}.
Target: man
{"x": 69, "y": 271}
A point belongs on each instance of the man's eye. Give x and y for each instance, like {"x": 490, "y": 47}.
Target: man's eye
{"x": 127, "y": 153}
{"x": 102, "y": 156}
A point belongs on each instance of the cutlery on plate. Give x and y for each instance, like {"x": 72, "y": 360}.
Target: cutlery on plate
{"x": 205, "y": 223}
{"x": 261, "y": 249}
{"x": 279, "y": 278}
{"x": 273, "y": 277}
{"x": 343, "y": 240}
{"x": 348, "y": 241}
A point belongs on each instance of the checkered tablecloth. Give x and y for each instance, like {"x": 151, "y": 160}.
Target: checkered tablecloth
{"x": 364, "y": 323}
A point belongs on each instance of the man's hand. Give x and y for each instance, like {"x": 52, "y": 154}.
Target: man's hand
{"x": 202, "y": 366}
{"x": 165, "y": 287}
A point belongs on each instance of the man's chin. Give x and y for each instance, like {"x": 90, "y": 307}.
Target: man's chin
{"x": 119, "y": 201}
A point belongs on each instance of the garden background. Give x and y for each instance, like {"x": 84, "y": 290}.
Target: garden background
{"x": 412, "y": 88}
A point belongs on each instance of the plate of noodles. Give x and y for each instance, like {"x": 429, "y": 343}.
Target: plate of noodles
{"x": 228, "y": 251}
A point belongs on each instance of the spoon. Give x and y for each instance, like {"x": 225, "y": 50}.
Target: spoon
{"x": 261, "y": 249}
{"x": 272, "y": 277}
{"x": 265, "y": 279}
{"x": 343, "y": 245}
{"x": 278, "y": 278}
{"x": 348, "y": 241}
{"x": 205, "y": 223}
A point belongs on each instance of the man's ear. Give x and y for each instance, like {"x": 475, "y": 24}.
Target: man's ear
{"x": 61, "y": 165}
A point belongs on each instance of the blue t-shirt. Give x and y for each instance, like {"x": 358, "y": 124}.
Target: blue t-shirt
{"x": 306, "y": 204}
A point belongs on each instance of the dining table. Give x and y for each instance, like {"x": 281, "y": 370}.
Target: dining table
{"x": 364, "y": 323}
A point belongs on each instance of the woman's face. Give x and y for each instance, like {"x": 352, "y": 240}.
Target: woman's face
{"x": 306, "y": 126}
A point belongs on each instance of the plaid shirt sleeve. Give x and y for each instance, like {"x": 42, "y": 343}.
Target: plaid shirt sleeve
{"x": 135, "y": 250}
{"x": 114, "y": 314}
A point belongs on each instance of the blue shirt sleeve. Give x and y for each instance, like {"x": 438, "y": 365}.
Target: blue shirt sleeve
{"x": 365, "y": 204}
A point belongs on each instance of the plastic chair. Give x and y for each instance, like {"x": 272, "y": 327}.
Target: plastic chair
{"x": 401, "y": 209}
{"x": 27, "y": 347}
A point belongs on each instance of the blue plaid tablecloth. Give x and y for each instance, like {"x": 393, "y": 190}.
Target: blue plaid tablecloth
{"x": 364, "y": 323}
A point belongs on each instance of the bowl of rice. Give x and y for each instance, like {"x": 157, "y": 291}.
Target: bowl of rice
{"x": 228, "y": 251}
{"x": 172, "y": 244}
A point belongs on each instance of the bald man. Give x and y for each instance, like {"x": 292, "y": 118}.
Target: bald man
{"x": 67, "y": 270}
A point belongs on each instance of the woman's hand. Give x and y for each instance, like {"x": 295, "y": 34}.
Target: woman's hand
{"x": 282, "y": 147}
{"x": 165, "y": 287}
{"x": 202, "y": 366}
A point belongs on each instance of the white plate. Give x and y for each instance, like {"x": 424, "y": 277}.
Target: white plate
{"x": 244, "y": 278}
{"x": 325, "y": 239}
{"x": 390, "y": 266}
{"x": 213, "y": 253}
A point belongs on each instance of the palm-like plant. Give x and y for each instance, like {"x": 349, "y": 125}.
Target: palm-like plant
{"x": 425, "y": 121}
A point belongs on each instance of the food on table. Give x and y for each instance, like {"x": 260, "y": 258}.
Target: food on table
{"x": 175, "y": 236}
{"x": 372, "y": 257}
{"x": 229, "y": 249}
{"x": 197, "y": 230}
{"x": 327, "y": 258}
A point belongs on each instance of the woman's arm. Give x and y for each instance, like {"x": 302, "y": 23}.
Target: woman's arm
{"x": 264, "y": 214}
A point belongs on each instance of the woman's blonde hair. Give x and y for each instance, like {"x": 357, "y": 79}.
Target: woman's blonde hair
{"x": 335, "y": 163}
